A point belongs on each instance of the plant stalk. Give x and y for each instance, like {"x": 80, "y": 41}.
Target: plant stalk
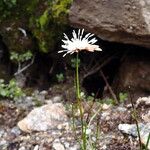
{"x": 83, "y": 136}
{"x": 136, "y": 122}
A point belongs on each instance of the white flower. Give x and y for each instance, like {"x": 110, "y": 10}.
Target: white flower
{"x": 79, "y": 42}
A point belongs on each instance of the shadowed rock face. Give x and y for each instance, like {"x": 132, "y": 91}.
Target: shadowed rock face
{"x": 125, "y": 21}
{"x": 134, "y": 75}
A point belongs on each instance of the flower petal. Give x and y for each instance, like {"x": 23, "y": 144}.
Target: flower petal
{"x": 78, "y": 42}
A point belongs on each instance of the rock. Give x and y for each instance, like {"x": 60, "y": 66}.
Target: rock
{"x": 44, "y": 118}
{"x": 143, "y": 100}
{"x": 2, "y": 132}
{"x": 105, "y": 106}
{"x": 75, "y": 147}
{"x": 36, "y": 147}
{"x": 44, "y": 92}
{"x": 57, "y": 99}
{"x": 146, "y": 117}
{"x": 16, "y": 131}
{"x": 58, "y": 146}
{"x": 105, "y": 116}
{"x": 22, "y": 148}
{"x": 41, "y": 96}
{"x": 122, "y": 21}
{"x": 3, "y": 144}
{"x": 131, "y": 129}
{"x": 115, "y": 114}
{"x": 66, "y": 144}
{"x": 135, "y": 78}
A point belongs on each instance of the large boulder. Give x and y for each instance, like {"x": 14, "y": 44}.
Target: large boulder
{"x": 134, "y": 76}
{"x": 125, "y": 21}
{"x": 44, "y": 118}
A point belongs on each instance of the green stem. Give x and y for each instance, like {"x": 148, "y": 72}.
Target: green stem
{"x": 136, "y": 121}
{"x": 83, "y": 136}
{"x": 147, "y": 143}
{"x": 77, "y": 77}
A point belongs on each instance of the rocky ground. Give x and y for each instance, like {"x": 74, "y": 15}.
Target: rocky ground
{"x": 40, "y": 122}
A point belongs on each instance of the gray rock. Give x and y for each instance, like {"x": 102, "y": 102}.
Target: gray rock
{"x": 58, "y": 146}
{"x": 122, "y": 21}
{"x": 44, "y": 118}
{"x": 2, "y": 132}
{"x": 146, "y": 117}
{"x": 43, "y": 93}
{"x": 3, "y": 142}
{"x": 57, "y": 99}
{"x": 131, "y": 129}
{"x": 105, "y": 116}
{"x": 143, "y": 100}
{"x": 16, "y": 131}
{"x": 75, "y": 147}
{"x": 66, "y": 144}
{"x": 22, "y": 148}
{"x": 3, "y": 145}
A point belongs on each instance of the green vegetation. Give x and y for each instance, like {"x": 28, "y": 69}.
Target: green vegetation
{"x": 123, "y": 97}
{"x": 10, "y": 90}
{"x": 48, "y": 27}
{"x": 21, "y": 60}
{"x": 46, "y": 20}
{"x": 60, "y": 77}
{"x": 6, "y": 7}
{"x": 59, "y": 9}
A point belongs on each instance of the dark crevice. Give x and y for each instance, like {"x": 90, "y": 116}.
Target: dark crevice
{"x": 95, "y": 83}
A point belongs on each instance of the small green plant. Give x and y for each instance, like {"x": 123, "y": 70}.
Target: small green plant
{"x": 10, "y": 90}
{"x": 109, "y": 101}
{"x": 91, "y": 97}
{"x": 60, "y": 77}
{"x": 123, "y": 97}
{"x": 22, "y": 60}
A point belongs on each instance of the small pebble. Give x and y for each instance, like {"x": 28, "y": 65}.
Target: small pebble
{"x": 36, "y": 147}
{"x": 16, "y": 131}
{"x": 58, "y": 146}
{"x": 66, "y": 145}
{"x": 1, "y": 132}
{"x": 22, "y": 148}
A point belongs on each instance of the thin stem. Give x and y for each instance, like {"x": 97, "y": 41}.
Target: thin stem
{"x": 109, "y": 87}
{"x": 77, "y": 77}
{"x": 147, "y": 143}
{"x": 83, "y": 136}
{"x": 136, "y": 121}
{"x": 20, "y": 70}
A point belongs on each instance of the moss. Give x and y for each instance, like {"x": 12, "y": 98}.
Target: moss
{"x": 43, "y": 46}
{"x": 31, "y": 6}
{"x": 60, "y": 8}
{"x": 44, "y": 19}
